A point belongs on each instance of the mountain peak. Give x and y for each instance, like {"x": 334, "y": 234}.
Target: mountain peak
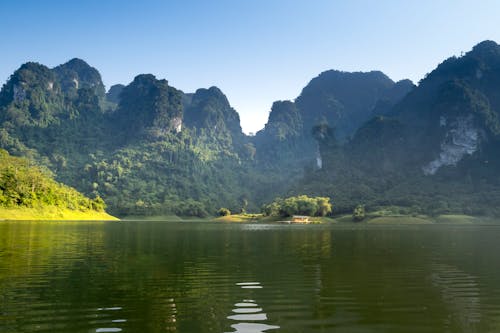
{"x": 487, "y": 47}
{"x": 76, "y": 74}
{"x": 76, "y": 63}
{"x": 212, "y": 92}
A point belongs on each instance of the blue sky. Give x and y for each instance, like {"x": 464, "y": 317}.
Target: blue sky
{"x": 256, "y": 51}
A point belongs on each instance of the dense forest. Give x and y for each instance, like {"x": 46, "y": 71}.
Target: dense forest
{"x": 358, "y": 138}
{"x": 24, "y": 185}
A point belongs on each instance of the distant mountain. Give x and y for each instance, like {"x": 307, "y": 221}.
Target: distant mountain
{"x": 341, "y": 101}
{"x": 282, "y": 139}
{"x": 346, "y": 100}
{"x": 391, "y": 97}
{"x": 113, "y": 94}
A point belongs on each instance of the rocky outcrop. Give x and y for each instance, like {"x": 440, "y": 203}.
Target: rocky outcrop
{"x": 461, "y": 139}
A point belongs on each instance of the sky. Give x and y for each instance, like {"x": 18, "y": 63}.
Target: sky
{"x": 255, "y": 51}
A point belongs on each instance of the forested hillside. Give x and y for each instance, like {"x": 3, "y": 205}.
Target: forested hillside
{"x": 435, "y": 152}
{"x": 148, "y": 148}
{"x": 24, "y": 185}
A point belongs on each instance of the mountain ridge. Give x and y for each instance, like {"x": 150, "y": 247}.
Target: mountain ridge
{"x": 149, "y": 148}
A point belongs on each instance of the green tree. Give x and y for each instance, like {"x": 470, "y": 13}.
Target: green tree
{"x": 358, "y": 213}
{"x": 224, "y": 212}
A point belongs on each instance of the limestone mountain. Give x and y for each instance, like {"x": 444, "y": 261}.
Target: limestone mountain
{"x": 455, "y": 110}
{"x": 77, "y": 74}
{"x": 130, "y": 147}
{"x": 361, "y": 138}
{"x": 283, "y": 136}
{"x": 341, "y": 101}
{"x": 392, "y": 96}
{"x": 209, "y": 111}
{"x": 147, "y": 105}
{"x": 435, "y": 151}
{"x": 345, "y": 100}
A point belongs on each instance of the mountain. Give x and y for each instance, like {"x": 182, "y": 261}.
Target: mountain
{"x": 341, "y": 100}
{"x": 77, "y": 74}
{"x": 455, "y": 111}
{"x": 346, "y": 100}
{"x": 208, "y": 110}
{"x": 149, "y": 148}
{"x": 286, "y": 148}
{"x": 434, "y": 151}
{"x": 391, "y": 97}
{"x": 148, "y": 105}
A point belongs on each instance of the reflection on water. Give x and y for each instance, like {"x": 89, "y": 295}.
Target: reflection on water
{"x": 249, "y": 285}
{"x": 108, "y": 329}
{"x": 460, "y": 292}
{"x": 213, "y": 278}
{"x": 108, "y": 312}
{"x": 252, "y": 327}
{"x": 249, "y": 310}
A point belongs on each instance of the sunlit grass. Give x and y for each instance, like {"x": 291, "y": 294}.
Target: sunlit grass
{"x": 52, "y": 213}
{"x": 399, "y": 220}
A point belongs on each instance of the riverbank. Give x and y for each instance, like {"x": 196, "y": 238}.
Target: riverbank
{"x": 53, "y": 213}
{"x": 371, "y": 218}
{"x": 268, "y": 219}
{"x": 401, "y": 219}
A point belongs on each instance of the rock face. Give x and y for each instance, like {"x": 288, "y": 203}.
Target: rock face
{"x": 177, "y": 124}
{"x": 461, "y": 139}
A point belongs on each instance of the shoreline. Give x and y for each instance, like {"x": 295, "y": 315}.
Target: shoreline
{"x": 371, "y": 219}
{"x": 52, "y": 213}
{"x": 374, "y": 218}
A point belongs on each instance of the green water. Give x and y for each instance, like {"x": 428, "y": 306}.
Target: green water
{"x": 214, "y": 277}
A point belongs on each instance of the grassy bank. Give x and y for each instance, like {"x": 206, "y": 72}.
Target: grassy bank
{"x": 379, "y": 217}
{"x": 52, "y": 213}
{"x": 247, "y": 218}
{"x": 376, "y": 218}
{"x": 267, "y": 219}
{"x": 163, "y": 218}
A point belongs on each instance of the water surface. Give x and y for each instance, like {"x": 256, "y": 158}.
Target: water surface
{"x": 215, "y": 277}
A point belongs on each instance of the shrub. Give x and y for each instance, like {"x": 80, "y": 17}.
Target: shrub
{"x": 224, "y": 212}
{"x": 358, "y": 213}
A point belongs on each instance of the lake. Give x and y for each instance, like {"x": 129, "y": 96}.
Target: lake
{"x": 217, "y": 277}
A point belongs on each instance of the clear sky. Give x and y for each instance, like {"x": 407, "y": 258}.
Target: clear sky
{"x": 256, "y": 51}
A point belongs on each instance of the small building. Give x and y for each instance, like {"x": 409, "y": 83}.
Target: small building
{"x": 300, "y": 219}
